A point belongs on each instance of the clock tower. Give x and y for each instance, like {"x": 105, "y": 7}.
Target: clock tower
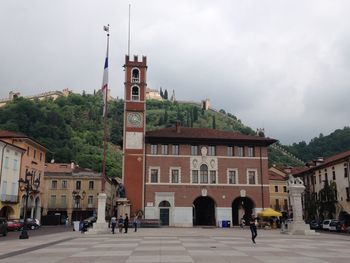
{"x": 134, "y": 131}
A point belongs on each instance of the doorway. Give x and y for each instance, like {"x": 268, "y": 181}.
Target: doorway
{"x": 242, "y": 207}
{"x": 164, "y": 207}
{"x": 204, "y": 211}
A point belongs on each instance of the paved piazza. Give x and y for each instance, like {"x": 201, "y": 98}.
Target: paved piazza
{"x": 178, "y": 245}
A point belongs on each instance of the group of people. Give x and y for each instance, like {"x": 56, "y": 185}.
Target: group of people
{"x": 123, "y": 223}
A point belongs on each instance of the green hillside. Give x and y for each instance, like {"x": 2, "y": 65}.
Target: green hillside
{"x": 72, "y": 129}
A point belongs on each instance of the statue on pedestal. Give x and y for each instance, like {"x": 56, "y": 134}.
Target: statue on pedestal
{"x": 121, "y": 191}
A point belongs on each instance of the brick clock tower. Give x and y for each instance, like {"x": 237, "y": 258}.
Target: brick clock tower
{"x": 134, "y": 131}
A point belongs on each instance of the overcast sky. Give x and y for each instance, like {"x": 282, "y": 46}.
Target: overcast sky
{"x": 281, "y": 65}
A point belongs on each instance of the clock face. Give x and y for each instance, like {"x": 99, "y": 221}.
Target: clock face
{"x": 134, "y": 119}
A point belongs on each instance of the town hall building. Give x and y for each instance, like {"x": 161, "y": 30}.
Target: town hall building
{"x": 189, "y": 176}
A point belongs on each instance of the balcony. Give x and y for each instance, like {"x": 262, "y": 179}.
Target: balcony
{"x": 9, "y": 198}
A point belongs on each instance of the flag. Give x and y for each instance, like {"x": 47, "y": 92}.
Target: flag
{"x": 105, "y": 85}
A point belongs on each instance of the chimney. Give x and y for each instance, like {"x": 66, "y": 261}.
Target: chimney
{"x": 72, "y": 166}
{"x": 178, "y": 126}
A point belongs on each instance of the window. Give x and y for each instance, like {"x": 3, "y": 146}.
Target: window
{"x": 195, "y": 176}
{"x": 41, "y": 156}
{"x": 211, "y": 150}
{"x": 285, "y": 205}
{"x": 14, "y": 188}
{"x": 213, "y": 177}
{"x": 345, "y": 171}
{"x": 232, "y": 177}
{"x": 240, "y": 151}
{"x": 153, "y": 148}
{"x": 135, "y": 93}
{"x": 77, "y": 185}
{"x": 319, "y": 178}
{"x": 34, "y": 154}
{"x": 251, "y": 152}
{"x": 53, "y": 201}
{"x": 64, "y": 184}
{"x": 63, "y": 201}
{"x": 333, "y": 173}
{"x": 175, "y": 149}
{"x": 164, "y": 149}
{"x": 91, "y": 185}
{"x": 28, "y": 151}
{"x": 54, "y": 184}
{"x": 285, "y": 189}
{"x": 194, "y": 150}
{"x": 15, "y": 163}
{"x": 229, "y": 151}
{"x": 175, "y": 176}
{"x": 277, "y": 206}
{"x": 6, "y": 163}
{"x": 276, "y": 188}
{"x": 90, "y": 201}
{"x": 154, "y": 175}
{"x": 4, "y": 186}
{"x": 204, "y": 174}
{"x": 252, "y": 177}
{"x": 347, "y": 193}
{"x": 135, "y": 75}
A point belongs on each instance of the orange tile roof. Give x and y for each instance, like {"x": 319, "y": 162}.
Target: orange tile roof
{"x": 58, "y": 168}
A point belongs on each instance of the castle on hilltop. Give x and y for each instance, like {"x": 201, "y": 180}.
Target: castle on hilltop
{"x": 46, "y": 95}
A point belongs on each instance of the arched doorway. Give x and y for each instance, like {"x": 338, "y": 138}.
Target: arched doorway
{"x": 204, "y": 211}
{"x": 7, "y": 212}
{"x": 164, "y": 208}
{"x": 242, "y": 207}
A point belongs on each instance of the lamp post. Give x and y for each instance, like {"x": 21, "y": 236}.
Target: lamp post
{"x": 77, "y": 197}
{"x": 28, "y": 186}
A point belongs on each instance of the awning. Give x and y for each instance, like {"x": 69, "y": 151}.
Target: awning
{"x": 269, "y": 212}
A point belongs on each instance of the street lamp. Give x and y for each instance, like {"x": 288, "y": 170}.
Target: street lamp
{"x": 77, "y": 197}
{"x": 28, "y": 186}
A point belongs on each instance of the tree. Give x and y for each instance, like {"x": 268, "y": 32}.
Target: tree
{"x": 165, "y": 94}
{"x": 161, "y": 92}
{"x": 214, "y": 122}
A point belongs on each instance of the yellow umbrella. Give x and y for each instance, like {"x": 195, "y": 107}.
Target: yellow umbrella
{"x": 269, "y": 212}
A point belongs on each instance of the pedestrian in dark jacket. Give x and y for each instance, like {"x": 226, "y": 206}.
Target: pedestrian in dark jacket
{"x": 126, "y": 223}
{"x": 120, "y": 223}
{"x": 252, "y": 225}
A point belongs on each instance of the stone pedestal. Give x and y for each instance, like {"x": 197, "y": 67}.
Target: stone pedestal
{"x": 100, "y": 226}
{"x": 297, "y": 227}
{"x": 123, "y": 205}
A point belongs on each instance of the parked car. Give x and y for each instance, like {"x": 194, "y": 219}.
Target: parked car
{"x": 333, "y": 225}
{"x": 3, "y": 226}
{"x": 325, "y": 224}
{"x": 314, "y": 224}
{"x": 14, "y": 225}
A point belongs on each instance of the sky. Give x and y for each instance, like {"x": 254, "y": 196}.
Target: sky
{"x": 279, "y": 65}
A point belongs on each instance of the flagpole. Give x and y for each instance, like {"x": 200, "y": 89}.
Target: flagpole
{"x": 103, "y": 183}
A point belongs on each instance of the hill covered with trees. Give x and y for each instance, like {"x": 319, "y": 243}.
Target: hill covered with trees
{"x": 72, "y": 128}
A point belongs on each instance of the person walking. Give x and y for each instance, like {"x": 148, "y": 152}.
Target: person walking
{"x": 252, "y": 225}
{"x": 113, "y": 223}
{"x": 126, "y": 223}
{"x": 135, "y": 223}
{"x": 120, "y": 223}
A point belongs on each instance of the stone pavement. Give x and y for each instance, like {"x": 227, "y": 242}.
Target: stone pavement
{"x": 178, "y": 245}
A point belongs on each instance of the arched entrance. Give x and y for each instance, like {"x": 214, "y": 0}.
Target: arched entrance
{"x": 242, "y": 207}
{"x": 7, "y": 212}
{"x": 164, "y": 208}
{"x": 204, "y": 211}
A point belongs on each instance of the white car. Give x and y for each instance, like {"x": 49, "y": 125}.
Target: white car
{"x": 333, "y": 225}
{"x": 325, "y": 224}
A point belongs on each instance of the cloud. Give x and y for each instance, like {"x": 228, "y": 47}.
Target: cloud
{"x": 279, "y": 64}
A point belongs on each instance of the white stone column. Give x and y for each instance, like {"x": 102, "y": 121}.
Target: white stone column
{"x": 297, "y": 227}
{"x": 101, "y": 226}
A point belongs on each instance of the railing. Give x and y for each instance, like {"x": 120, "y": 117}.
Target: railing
{"x": 9, "y": 198}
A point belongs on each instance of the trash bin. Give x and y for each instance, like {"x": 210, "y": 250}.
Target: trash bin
{"x": 228, "y": 223}
{"x": 220, "y": 223}
{"x": 76, "y": 225}
{"x": 224, "y": 223}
